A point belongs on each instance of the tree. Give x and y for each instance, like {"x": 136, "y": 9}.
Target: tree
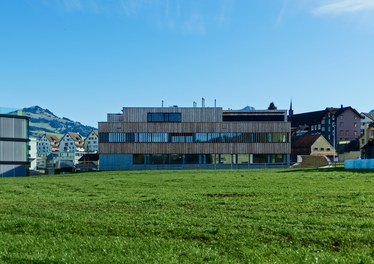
{"x": 272, "y": 106}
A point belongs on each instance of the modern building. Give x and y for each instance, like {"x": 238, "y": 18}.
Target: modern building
{"x": 14, "y": 145}
{"x": 194, "y": 137}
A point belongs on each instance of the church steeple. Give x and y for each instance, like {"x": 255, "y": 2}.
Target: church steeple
{"x": 290, "y": 112}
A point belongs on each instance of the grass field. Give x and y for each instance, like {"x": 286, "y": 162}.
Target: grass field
{"x": 247, "y": 216}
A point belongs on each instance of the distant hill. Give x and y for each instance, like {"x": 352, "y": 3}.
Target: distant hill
{"x": 44, "y": 121}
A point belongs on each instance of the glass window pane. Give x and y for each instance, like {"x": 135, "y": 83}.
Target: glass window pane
{"x": 175, "y": 117}
{"x": 201, "y": 137}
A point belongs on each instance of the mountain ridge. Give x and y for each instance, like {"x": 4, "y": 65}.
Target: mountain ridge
{"x": 45, "y": 121}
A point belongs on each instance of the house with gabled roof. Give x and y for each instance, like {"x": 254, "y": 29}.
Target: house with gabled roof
{"x": 313, "y": 145}
{"x": 367, "y": 128}
{"x": 71, "y": 142}
{"x": 47, "y": 143}
{"x": 368, "y": 150}
{"x": 91, "y": 142}
{"x": 337, "y": 125}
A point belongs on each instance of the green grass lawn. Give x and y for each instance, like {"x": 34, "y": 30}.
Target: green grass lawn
{"x": 246, "y": 216}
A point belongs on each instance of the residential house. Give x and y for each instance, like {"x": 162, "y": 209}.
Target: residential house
{"x": 46, "y": 145}
{"x": 194, "y": 137}
{"x": 313, "y": 145}
{"x": 88, "y": 162}
{"x": 368, "y": 150}
{"x": 337, "y": 125}
{"x": 91, "y": 142}
{"x": 71, "y": 147}
{"x": 14, "y": 145}
{"x": 71, "y": 142}
{"x": 367, "y": 128}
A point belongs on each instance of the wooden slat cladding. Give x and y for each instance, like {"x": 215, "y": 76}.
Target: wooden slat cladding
{"x": 195, "y": 114}
{"x": 194, "y": 148}
{"x": 190, "y": 127}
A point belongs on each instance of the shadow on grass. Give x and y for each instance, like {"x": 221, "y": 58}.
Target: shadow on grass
{"x": 324, "y": 170}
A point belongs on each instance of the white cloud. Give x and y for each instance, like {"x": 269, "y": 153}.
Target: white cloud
{"x": 281, "y": 13}
{"x": 345, "y": 6}
{"x": 188, "y": 16}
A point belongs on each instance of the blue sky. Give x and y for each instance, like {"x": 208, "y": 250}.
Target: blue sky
{"x": 84, "y": 58}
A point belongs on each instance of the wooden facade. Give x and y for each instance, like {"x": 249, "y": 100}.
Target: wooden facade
{"x": 195, "y": 120}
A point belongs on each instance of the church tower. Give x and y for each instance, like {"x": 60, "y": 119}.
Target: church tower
{"x": 290, "y": 112}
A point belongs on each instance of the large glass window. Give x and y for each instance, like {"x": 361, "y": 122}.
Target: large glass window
{"x": 164, "y": 117}
{"x": 201, "y": 137}
{"x": 118, "y": 137}
{"x": 182, "y": 137}
{"x": 159, "y": 137}
{"x": 214, "y": 137}
{"x": 243, "y": 158}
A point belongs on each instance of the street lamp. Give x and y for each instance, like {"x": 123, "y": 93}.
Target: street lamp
{"x": 334, "y": 141}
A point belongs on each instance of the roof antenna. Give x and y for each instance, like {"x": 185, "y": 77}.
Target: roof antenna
{"x": 215, "y": 103}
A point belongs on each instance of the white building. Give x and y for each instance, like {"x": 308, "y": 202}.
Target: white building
{"x": 32, "y": 153}
{"x": 91, "y": 143}
{"x": 71, "y": 143}
{"x": 47, "y": 144}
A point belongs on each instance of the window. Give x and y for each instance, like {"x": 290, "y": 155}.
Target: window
{"x": 164, "y": 117}
{"x": 201, "y": 137}
{"x": 232, "y": 137}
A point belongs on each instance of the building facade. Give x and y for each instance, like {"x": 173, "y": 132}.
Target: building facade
{"x": 91, "y": 142}
{"x": 313, "y": 145}
{"x": 71, "y": 142}
{"x": 47, "y": 143}
{"x": 14, "y": 145}
{"x": 337, "y": 125}
{"x": 196, "y": 137}
{"x": 47, "y": 146}
{"x": 33, "y": 153}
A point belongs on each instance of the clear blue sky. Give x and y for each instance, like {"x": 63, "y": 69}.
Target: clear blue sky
{"x": 84, "y": 58}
